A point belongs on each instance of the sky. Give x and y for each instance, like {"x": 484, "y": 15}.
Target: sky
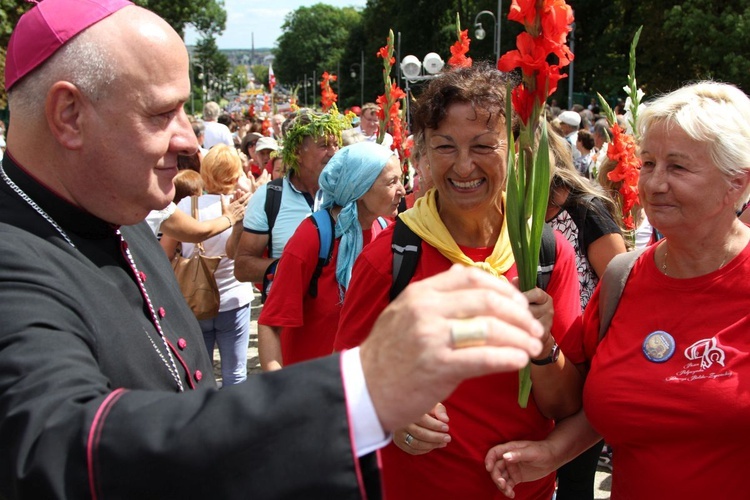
{"x": 262, "y": 18}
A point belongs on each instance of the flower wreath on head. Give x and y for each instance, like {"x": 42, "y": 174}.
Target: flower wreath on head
{"x": 312, "y": 124}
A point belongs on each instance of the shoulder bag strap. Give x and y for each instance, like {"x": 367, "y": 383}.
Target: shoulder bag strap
{"x": 611, "y": 286}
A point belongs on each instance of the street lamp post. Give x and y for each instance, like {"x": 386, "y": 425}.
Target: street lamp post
{"x": 359, "y": 68}
{"x": 304, "y": 86}
{"x": 202, "y": 76}
{"x": 480, "y": 33}
{"x": 570, "y": 71}
{"x": 314, "y": 84}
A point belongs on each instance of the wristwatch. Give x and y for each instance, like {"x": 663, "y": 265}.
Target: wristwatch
{"x": 553, "y": 355}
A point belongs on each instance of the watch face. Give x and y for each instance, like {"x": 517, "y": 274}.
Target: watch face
{"x": 553, "y": 356}
{"x": 555, "y": 353}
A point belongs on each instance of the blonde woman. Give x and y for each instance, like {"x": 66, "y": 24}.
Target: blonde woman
{"x": 230, "y": 329}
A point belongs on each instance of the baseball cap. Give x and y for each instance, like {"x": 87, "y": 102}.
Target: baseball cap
{"x": 249, "y": 140}
{"x": 47, "y": 27}
{"x": 570, "y": 118}
{"x": 266, "y": 143}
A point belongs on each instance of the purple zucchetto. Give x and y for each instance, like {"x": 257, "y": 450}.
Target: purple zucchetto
{"x": 47, "y": 27}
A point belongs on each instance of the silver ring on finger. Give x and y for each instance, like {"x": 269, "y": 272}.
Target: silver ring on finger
{"x": 408, "y": 439}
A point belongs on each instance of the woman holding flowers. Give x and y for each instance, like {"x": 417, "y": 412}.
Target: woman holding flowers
{"x": 668, "y": 384}
{"x": 461, "y": 119}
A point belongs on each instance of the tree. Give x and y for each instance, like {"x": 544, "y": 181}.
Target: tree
{"x": 313, "y": 41}
{"x": 213, "y": 65}
{"x": 714, "y": 37}
{"x": 208, "y": 16}
{"x": 238, "y": 80}
{"x": 260, "y": 71}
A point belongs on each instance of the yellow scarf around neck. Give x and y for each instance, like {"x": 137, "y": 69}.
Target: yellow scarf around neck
{"x": 425, "y": 221}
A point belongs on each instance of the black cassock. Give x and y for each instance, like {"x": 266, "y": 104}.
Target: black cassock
{"x": 89, "y": 401}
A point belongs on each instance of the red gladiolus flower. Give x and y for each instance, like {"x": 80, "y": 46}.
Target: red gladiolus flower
{"x": 327, "y": 95}
{"x": 523, "y": 11}
{"x": 622, "y": 150}
{"x": 523, "y": 102}
{"x": 458, "y": 52}
{"x": 530, "y": 56}
{"x": 383, "y": 54}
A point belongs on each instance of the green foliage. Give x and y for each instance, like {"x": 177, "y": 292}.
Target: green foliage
{"x": 313, "y": 40}
{"x": 261, "y": 73}
{"x": 208, "y": 16}
{"x": 238, "y": 80}
{"x": 211, "y": 68}
{"x": 714, "y": 37}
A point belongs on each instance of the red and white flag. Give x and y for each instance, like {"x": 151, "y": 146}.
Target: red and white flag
{"x": 271, "y": 77}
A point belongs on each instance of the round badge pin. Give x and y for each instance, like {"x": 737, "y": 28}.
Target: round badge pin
{"x": 658, "y": 346}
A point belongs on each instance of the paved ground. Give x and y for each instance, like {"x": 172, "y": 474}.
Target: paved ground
{"x": 603, "y": 479}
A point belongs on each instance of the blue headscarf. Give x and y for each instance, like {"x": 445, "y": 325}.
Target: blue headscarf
{"x": 345, "y": 179}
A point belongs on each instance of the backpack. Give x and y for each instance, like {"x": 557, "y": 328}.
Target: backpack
{"x": 273, "y": 204}
{"x": 611, "y": 286}
{"x": 324, "y": 223}
{"x": 407, "y": 247}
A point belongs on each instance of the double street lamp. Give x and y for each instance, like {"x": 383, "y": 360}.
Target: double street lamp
{"x": 480, "y": 33}
{"x": 414, "y": 70}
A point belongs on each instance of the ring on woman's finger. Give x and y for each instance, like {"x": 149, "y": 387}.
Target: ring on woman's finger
{"x": 469, "y": 333}
{"x": 408, "y": 439}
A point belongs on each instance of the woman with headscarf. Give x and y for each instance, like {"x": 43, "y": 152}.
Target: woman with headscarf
{"x": 361, "y": 183}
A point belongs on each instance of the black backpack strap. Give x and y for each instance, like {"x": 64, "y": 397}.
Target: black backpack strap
{"x": 547, "y": 256}
{"x": 612, "y": 285}
{"x": 324, "y": 223}
{"x": 273, "y": 204}
{"x": 407, "y": 248}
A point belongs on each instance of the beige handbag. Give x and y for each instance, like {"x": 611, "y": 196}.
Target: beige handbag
{"x": 195, "y": 274}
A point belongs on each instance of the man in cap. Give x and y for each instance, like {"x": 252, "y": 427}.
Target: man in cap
{"x": 570, "y": 122}
{"x": 106, "y": 389}
{"x": 277, "y": 208}
{"x": 247, "y": 146}
{"x": 263, "y": 149}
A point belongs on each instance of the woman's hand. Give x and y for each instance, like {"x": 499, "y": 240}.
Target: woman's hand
{"x": 516, "y": 462}
{"x": 235, "y": 209}
{"x": 263, "y": 178}
{"x": 540, "y": 305}
{"x": 427, "y": 434}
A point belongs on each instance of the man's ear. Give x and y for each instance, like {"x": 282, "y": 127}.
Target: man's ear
{"x": 63, "y": 111}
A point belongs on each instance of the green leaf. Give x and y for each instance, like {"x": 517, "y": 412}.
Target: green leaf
{"x": 611, "y": 118}
{"x": 524, "y": 385}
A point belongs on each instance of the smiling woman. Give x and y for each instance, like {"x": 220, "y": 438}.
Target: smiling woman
{"x": 460, "y": 117}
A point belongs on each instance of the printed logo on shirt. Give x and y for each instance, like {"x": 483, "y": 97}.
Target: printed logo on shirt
{"x": 705, "y": 360}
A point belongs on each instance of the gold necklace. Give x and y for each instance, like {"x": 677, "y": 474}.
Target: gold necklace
{"x": 664, "y": 264}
